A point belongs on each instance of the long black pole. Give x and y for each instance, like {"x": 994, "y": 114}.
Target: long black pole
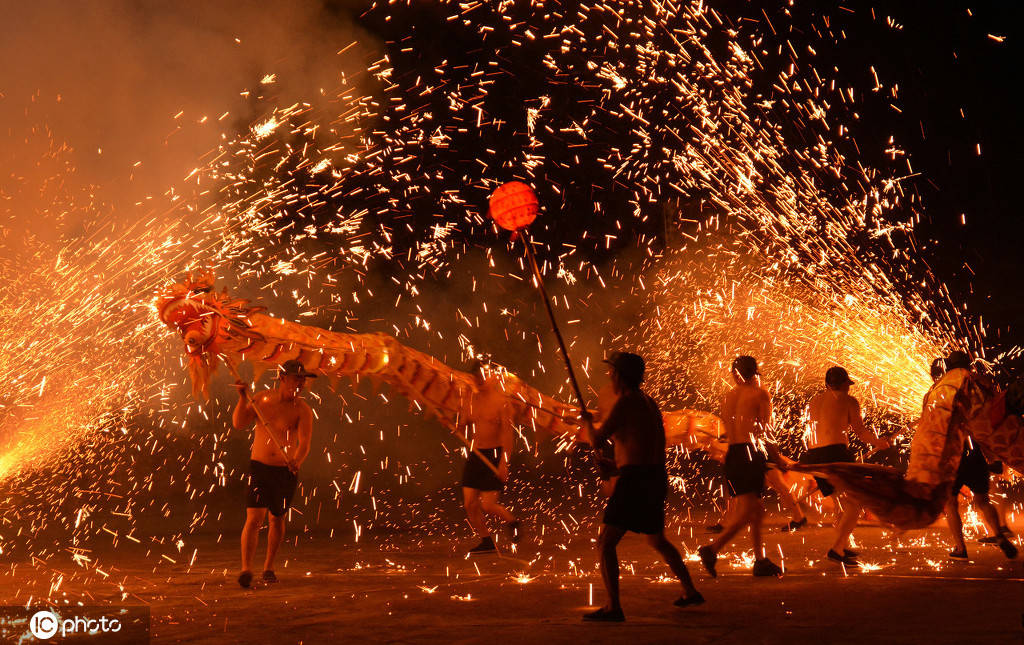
{"x": 551, "y": 316}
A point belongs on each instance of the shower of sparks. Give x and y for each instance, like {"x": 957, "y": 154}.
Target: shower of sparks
{"x": 714, "y": 166}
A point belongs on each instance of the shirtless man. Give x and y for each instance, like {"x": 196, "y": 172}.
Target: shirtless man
{"x": 273, "y": 474}
{"x": 637, "y": 502}
{"x": 832, "y": 412}
{"x": 973, "y": 472}
{"x": 746, "y": 413}
{"x": 489, "y": 427}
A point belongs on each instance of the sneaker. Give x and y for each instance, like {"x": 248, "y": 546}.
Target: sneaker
{"x": 689, "y": 601}
{"x": 603, "y": 615}
{"x": 991, "y": 539}
{"x": 486, "y": 546}
{"x": 245, "y": 579}
{"x": 958, "y": 554}
{"x": 708, "y": 558}
{"x": 795, "y": 525}
{"x": 714, "y": 528}
{"x": 847, "y": 561}
{"x": 269, "y": 576}
{"x": 1008, "y": 548}
{"x": 765, "y": 567}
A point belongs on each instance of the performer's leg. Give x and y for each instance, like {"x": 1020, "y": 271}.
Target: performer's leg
{"x": 741, "y": 515}
{"x": 775, "y": 479}
{"x": 1001, "y": 510}
{"x": 989, "y": 514}
{"x": 674, "y": 561}
{"x": 250, "y": 534}
{"x": 474, "y": 511}
{"x": 274, "y": 538}
{"x": 489, "y": 504}
{"x": 848, "y": 522}
{"x": 756, "y": 517}
{"x": 607, "y": 541}
{"x": 956, "y": 527}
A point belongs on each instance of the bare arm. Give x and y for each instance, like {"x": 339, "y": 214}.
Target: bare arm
{"x": 858, "y": 427}
{"x": 244, "y": 414}
{"x": 305, "y": 430}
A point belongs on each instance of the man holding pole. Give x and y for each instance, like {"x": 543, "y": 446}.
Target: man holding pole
{"x": 637, "y": 502}
{"x": 284, "y": 425}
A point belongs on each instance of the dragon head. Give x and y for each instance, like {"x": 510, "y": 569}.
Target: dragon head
{"x": 205, "y": 320}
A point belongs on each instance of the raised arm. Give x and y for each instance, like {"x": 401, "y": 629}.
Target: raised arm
{"x": 244, "y": 414}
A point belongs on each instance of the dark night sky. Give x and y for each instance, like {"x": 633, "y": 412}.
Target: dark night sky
{"x": 943, "y": 61}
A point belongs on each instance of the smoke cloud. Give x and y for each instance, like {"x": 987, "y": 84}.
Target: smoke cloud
{"x": 127, "y": 83}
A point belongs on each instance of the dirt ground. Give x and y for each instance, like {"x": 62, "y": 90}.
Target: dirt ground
{"x": 410, "y": 590}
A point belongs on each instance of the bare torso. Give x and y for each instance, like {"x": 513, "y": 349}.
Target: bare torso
{"x": 746, "y": 412}
{"x": 488, "y": 415}
{"x": 636, "y": 428}
{"x": 283, "y": 418}
{"x": 831, "y": 413}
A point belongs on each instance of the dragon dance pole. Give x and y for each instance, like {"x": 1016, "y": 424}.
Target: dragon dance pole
{"x": 514, "y": 206}
{"x": 551, "y": 316}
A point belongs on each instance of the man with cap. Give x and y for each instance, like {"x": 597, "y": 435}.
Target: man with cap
{"x": 746, "y": 414}
{"x": 278, "y": 450}
{"x": 637, "y": 502}
{"x": 831, "y": 413}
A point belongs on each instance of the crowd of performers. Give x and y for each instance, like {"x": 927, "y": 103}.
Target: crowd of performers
{"x": 634, "y": 475}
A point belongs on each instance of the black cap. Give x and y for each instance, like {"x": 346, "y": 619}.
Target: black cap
{"x": 629, "y": 366}
{"x": 294, "y": 368}
{"x": 837, "y": 377}
{"x": 746, "y": 367}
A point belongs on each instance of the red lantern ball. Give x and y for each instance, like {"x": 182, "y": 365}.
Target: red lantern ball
{"x": 514, "y": 205}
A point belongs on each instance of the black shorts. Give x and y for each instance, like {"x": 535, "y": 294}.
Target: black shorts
{"x": 744, "y": 469}
{"x": 834, "y": 453}
{"x": 973, "y": 472}
{"x": 477, "y": 475}
{"x": 270, "y": 487}
{"x": 638, "y": 502}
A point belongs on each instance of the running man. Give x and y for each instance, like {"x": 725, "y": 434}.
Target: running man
{"x": 746, "y": 413}
{"x": 972, "y": 473}
{"x": 637, "y": 502}
{"x": 273, "y": 473}
{"x": 489, "y": 427}
{"x": 832, "y": 412}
